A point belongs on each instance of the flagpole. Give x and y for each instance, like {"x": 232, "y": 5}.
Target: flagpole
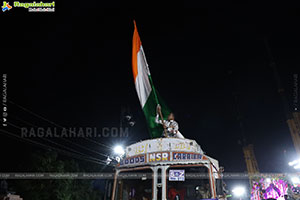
{"x": 162, "y": 119}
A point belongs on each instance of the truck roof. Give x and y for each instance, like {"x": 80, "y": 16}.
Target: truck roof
{"x": 165, "y": 151}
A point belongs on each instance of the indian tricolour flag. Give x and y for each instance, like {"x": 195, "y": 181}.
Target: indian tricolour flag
{"x": 148, "y": 96}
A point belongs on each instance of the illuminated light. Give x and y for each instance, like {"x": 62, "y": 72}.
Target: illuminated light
{"x": 268, "y": 180}
{"x": 108, "y": 160}
{"x": 297, "y": 166}
{"x": 295, "y": 162}
{"x": 295, "y": 180}
{"x": 239, "y": 191}
{"x": 119, "y": 150}
{"x": 118, "y": 159}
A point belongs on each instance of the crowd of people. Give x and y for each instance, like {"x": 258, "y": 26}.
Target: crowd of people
{"x": 276, "y": 189}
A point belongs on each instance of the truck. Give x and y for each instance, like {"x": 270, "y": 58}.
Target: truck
{"x": 167, "y": 168}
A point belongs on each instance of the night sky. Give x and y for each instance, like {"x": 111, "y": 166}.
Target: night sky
{"x": 73, "y": 67}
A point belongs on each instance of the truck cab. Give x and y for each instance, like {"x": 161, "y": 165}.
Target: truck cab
{"x": 167, "y": 169}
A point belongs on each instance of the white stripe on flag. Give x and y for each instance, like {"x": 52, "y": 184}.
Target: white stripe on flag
{"x": 142, "y": 83}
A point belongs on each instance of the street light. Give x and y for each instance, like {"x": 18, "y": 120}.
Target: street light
{"x": 295, "y": 180}
{"x": 117, "y": 154}
{"x": 239, "y": 191}
{"x": 119, "y": 150}
{"x": 295, "y": 164}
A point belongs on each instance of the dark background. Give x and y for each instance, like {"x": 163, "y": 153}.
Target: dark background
{"x": 73, "y": 67}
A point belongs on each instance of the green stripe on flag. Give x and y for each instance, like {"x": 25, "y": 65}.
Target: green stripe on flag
{"x": 156, "y": 130}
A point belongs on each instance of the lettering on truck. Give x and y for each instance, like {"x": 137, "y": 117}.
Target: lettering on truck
{"x": 161, "y": 156}
{"x": 186, "y": 156}
{"x": 133, "y": 160}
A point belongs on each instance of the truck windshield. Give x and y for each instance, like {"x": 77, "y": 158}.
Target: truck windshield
{"x": 188, "y": 183}
{"x": 134, "y": 185}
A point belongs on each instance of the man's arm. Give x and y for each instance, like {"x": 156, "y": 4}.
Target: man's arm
{"x": 158, "y": 110}
{"x": 157, "y": 119}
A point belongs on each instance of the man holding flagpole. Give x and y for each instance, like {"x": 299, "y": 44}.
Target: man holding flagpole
{"x": 147, "y": 94}
{"x": 170, "y": 125}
